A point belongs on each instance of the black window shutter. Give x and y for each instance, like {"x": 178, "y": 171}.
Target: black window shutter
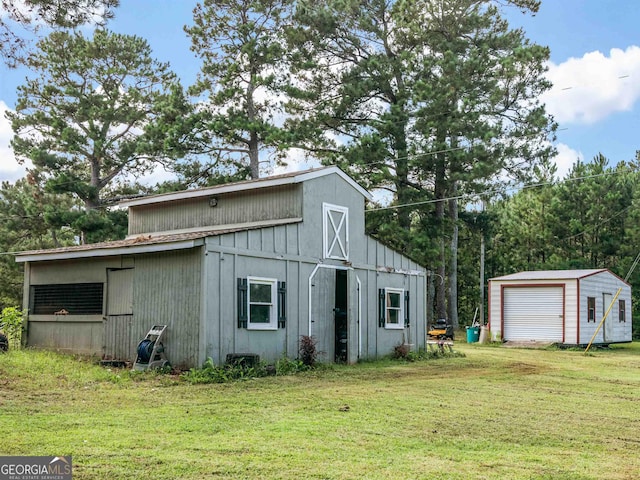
{"x": 282, "y": 304}
{"x": 381, "y": 308}
{"x": 406, "y": 309}
{"x": 242, "y": 303}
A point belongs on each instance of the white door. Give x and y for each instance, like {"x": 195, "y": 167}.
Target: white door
{"x": 533, "y": 313}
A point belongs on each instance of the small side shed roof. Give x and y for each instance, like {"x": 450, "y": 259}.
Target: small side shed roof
{"x": 137, "y": 244}
{"x": 553, "y": 274}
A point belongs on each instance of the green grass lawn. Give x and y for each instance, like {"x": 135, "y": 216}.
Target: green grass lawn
{"x": 497, "y": 413}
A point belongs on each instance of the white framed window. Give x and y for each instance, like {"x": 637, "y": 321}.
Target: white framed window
{"x": 262, "y": 303}
{"x": 394, "y": 303}
{"x": 335, "y": 231}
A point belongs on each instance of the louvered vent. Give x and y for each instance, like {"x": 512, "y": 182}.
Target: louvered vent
{"x": 69, "y": 299}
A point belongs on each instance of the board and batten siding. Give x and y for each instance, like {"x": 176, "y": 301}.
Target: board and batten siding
{"x": 166, "y": 291}
{"x": 233, "y": 208}
{"x": 278, "y": 253}
{"x": 595, "y": 286}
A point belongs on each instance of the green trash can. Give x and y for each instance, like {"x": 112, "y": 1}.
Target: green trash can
{"x": 473, "y": 334}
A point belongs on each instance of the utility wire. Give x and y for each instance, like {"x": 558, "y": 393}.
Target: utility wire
{"x": 494, "y": 191}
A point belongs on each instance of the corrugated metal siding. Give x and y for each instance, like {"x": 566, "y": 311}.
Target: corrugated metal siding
{"x": 82, "y": 334}
{"x": 118, "y": 343}
{"x": 232, "y": 208}
{"x": 533, "y": 313}
{"x": 120, "y": 292}
{"x": 595, "y": 286}
{"x": 67, "y": 335}
{"x": 167, "y": 292}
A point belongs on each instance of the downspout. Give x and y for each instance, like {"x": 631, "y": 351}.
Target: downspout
{"x": 204, "y": 308}
{"x": 313, "y": 274}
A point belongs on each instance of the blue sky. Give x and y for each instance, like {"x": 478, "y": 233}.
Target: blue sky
{"x": 595, "y": 68}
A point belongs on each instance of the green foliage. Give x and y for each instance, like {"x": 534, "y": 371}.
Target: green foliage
{"x": 89, "y": 117}
{"x": 431, "y": 100}
{"x": 585, "y": 220}
{"x": 24, "y": 225}
{"x": 11, "y": 322}
{"x": 21, "y": 18}
{"x": 244, "y": 62}
{"x": 212, "y": 373}
{"x": 288, "y": 366}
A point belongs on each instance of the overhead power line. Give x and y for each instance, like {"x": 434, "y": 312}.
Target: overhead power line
{"x": 492, "y": 191}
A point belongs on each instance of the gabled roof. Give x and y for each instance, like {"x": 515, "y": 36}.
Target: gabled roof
{"x": 143, "y": 243}
{"x": 273, "y": 181}
{"x": 552, "y": 274}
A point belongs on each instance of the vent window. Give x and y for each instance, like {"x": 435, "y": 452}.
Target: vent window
{"x": 67, "y": 299}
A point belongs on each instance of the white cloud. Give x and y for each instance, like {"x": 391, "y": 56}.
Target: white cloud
{"x": 9, "y": 167}
{"x": 589, "y": 89}
{"x": 296, "y": 160}
{"x": 565, "y": 159}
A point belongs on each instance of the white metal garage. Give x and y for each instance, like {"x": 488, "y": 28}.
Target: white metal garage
{"x": 534, "y": 313}
{"x": 561, "y": 306}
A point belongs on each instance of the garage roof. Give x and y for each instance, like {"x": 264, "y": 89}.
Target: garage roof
{"x": 551, "y": 274}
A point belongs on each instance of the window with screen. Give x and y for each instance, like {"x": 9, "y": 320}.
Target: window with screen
{"x": 67, "y": 299}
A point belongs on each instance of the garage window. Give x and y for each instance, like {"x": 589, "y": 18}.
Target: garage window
{"x": 622, "y": 311}
{"x": 591, "y": 309}
{"x": 67, "y": 299}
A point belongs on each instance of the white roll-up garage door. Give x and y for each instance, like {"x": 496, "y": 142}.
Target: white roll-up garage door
{"x": 533, "y": 313}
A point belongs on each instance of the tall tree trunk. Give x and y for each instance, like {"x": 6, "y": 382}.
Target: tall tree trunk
{"x": 254, "y": 141}
{"x": 402, "y": 178}
{"x": 254, "y": 156}
{"x": 440, "y": 193}
{"x": 441, "y": 288}
{"x": 452, "y": 304}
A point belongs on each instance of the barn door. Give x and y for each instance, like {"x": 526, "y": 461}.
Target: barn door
{"x": 118, "y": 344}
{"x": 341, "y": 317}
{"x": 323, "y": 304}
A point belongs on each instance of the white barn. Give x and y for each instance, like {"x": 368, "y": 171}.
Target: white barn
{"x": 561, "y": 306}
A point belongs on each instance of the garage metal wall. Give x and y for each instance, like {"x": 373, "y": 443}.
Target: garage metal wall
{"x": 595, "y": 286}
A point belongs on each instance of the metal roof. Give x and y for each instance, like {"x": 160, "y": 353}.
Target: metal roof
{"x": 551, "y": 274}
{"x": 273, "y": 181}
{"x": 143, "y": 243}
